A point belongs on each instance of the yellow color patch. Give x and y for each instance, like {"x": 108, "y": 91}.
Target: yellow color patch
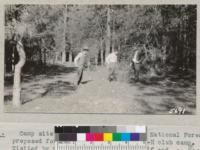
{"x": 107, "y": 137}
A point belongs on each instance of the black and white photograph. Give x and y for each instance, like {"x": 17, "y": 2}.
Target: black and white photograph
{"x": 100, "y": 59}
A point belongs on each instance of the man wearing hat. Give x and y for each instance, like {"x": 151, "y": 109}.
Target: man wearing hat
{"x": 81, "y": 61}
{"x": 136, "y": 62}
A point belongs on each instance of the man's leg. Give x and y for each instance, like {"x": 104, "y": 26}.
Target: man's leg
{"x": 80, "y": 75}
{"x": 137, "y": 71}
{"x": 114, "y": 71}
{"x": 111, "y": 74}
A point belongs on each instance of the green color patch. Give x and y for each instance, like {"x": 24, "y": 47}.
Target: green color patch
{"x": 116, "y": 136}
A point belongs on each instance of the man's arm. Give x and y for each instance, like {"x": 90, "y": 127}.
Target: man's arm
{"x": 108, "y": 59}
{"x": 76, "y": 59}
{"x": 142, "y": 57}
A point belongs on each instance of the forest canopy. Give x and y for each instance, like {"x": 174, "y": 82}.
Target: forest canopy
{"x": 55, "y": 33}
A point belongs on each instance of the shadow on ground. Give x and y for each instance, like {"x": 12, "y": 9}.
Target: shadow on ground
{"x": 40, "y": 83}
{"x": 34, "y": 73}
{"x": 173, "y": 90}
{"x": 56, "y": 89}
{"x": 85, "y": 82}
{"x": 155, "y": 95}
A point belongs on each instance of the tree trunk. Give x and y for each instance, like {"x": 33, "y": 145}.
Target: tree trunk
{"x": 70, "y": 57}
{"x": 119, "y": 47}
{"x": 13, "y": 59}
{"x": 44, "y": 51}
{"x": 96, "y": 60}
{"x": 63, "y": 57}
{"x": 57, "y": 57}
{"x": 108, "y": 38}
{"x": 40, "y": 56}
{"x": 17, "y": 75}
{"x": 113, "y": 36}
{"x": 102, "y": 58}
{"x": 101, "y": 53}
{"x": 64, "y": 32}
{"x": 113, "y": 46}
{"x": 45, "y": 59}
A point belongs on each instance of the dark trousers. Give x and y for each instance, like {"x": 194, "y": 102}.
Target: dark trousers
{"x": 112, "y": 75}
{"x": 79, "y": 75}
{"x": 136, "y": 68}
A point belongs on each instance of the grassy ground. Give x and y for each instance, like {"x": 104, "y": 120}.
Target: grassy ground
{"x": 55, "y": 92}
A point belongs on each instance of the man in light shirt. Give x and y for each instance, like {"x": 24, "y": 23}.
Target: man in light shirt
{"x": 111, "y": 63}
{"x": 81, "y": 61}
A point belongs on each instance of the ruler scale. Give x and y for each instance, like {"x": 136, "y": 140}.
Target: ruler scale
{"x": 102, "y": 146}
{"x": 100, "y": 137}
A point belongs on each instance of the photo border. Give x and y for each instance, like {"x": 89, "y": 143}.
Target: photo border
{"x": 99, "y": 118}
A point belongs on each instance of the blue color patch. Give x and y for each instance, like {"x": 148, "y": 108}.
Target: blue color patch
{"x": 125, "y": 137}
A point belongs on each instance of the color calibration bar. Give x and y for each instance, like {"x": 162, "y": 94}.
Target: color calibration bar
{"x": 100, "y": 133}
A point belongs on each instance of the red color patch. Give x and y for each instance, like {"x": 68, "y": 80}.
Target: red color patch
{"x": 98, "y": 136}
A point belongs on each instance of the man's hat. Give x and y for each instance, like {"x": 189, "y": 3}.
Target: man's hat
{"x": 85, "y": 47}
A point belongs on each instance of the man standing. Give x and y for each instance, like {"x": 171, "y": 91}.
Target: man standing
{"x": 137, "y": 60}
{"x": 111, "y": 62}
{"x": 81, "y": 61}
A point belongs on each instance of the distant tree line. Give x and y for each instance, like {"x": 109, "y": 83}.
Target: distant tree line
{"x": 55, "y": 33}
